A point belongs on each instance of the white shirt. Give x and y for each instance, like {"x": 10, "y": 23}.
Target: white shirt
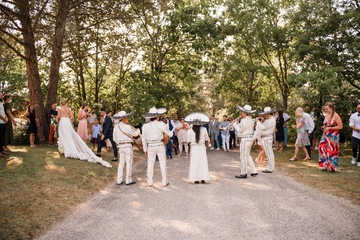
{"x": 245, "y": 127}
{"x": 286, "y": 117}
{"x": 2, "y": 112}
{"x": 309, "y": 122}
{"x": 267, "y": 127}
{"x": 355, "y": 122}
{"x": 120, "y": 135}
{"x": 92, "y": 117}
{"x": 152, "y": 132}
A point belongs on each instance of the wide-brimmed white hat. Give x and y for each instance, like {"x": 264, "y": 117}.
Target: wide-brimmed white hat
{"x": 154, "y": 112}
{"x": 197, "y": 118}
{"x": 267, "y": 110}
{"x": 122, "y": 114}
{"x": 246, "y": 109}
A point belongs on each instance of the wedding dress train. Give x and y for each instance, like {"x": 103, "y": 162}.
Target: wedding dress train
{"x": 72, "y": 146}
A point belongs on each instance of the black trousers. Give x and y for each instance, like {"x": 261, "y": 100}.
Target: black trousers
{"x": 232, "y": 143}
{"x": 2, "y": 135}
{"x": 355, "y": 142}
{"x": 308, "y": 148}
{"x": 113, "y": 144}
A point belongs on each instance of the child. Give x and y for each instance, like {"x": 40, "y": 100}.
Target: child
{"x": 96, "y": 130}
{"x": 169, "y": 146}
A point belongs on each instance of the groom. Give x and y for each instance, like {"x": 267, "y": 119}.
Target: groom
{"x": 106, "y": 134}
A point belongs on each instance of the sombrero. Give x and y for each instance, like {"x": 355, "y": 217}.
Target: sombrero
{"x": 154, "y": 112}
{"x": 197, "y": 118}
{"x": 267, "y": 110}
{"x": 122, "y": 114}
{"x": 246, "y": 109}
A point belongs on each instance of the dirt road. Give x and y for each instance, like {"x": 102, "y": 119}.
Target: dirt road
{"x": 269, "y": 206}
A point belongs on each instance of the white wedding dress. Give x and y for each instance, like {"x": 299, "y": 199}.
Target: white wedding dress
{"x": 72, "y": 146}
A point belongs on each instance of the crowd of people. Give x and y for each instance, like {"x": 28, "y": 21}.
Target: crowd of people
{"x": 160, "y": 136}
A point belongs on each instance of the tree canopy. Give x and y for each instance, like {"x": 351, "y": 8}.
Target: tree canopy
{"x": 186, "y": 55}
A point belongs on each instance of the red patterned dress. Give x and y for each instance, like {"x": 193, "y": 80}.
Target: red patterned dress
{"x": 329, "y": 148}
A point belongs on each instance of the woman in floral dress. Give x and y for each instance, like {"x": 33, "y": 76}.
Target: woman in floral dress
{"x": 329, "y": 148}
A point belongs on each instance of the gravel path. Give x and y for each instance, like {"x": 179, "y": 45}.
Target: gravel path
{"x": 269, "y": 206}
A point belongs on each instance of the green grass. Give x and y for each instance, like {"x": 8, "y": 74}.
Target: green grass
{"x": 39, "y": 187}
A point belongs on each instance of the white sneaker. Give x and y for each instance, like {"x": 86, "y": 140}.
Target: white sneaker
{"x": 212, "y": 148}
{"x": 218, "y": 149}
{"x": 353, "y": 161}
{"x": 358, "y": 164}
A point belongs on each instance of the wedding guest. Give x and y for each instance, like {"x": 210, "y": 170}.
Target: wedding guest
{"x": 198, "y": 138}
{"x": 53, "y": 115}
{"x": 9, "y": 132}
{"x": 225, "y": 135}
{"x": 355, "y": 141}
{"x": 232, "y": 141}
{"x": 82, "y": 129}
{"x": 302, "y": 139}
{"x": 95, "y": 132}
{"x": 286, "y": 128}
{"x": 107, "y": 134}
{"x": 182, "y": 129}
{"x": 214, "y": 132}
{"x": 91, "y": 118}
{"x": 329, "y": 147}
{"x": 279, "y": 135}
{"x": 3, "y": 121}
{"x": 310, "y": 127}
{"x": 31, "y": 119}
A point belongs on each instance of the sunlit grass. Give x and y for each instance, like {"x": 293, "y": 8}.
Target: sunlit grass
{"x": 39, "y": 186}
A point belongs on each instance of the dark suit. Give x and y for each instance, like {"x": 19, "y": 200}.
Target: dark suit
{"x": 108, "y": 134}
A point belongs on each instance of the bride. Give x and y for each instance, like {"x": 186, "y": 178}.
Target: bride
{"x": 70, "y": 142}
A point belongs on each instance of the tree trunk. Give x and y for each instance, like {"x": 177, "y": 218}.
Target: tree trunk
{"x": 56, "y": 55}
{"x": 32, "y": 69}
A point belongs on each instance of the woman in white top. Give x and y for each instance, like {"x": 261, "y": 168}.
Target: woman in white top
{"x": 70, "y": 143}
{"x": 198, "y": 138}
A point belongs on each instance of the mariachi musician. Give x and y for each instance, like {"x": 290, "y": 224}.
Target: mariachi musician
{"x": 153, "y": 134}
{"x": 245, "y": 131}
{"x": 123, "y": 136}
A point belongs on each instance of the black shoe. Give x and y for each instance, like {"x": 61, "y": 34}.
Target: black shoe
{"x": 202, "y": 181}
{"x": 120, "y": 183}
{"x": 267, "y": 171}
{"x": 253, "y": 174}
{"x": 130, "y": 183}
{"x": 114, "y": 159}
{"x": 197, "y": 182}
{"x": 241, "y": 176}
{"x": 98, "y": 154}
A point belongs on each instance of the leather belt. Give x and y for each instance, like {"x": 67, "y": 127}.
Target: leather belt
{"x": 267, "y": 135}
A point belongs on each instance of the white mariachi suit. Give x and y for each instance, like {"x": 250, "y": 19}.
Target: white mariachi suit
{"x": 124, "y": 144}
{"x": 152, "y": 140}
{"x": 267, "y": 130}
{"x": 245, "y": 131}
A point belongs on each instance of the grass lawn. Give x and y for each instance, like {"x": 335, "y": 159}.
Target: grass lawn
{"x": 39, "y": 187}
